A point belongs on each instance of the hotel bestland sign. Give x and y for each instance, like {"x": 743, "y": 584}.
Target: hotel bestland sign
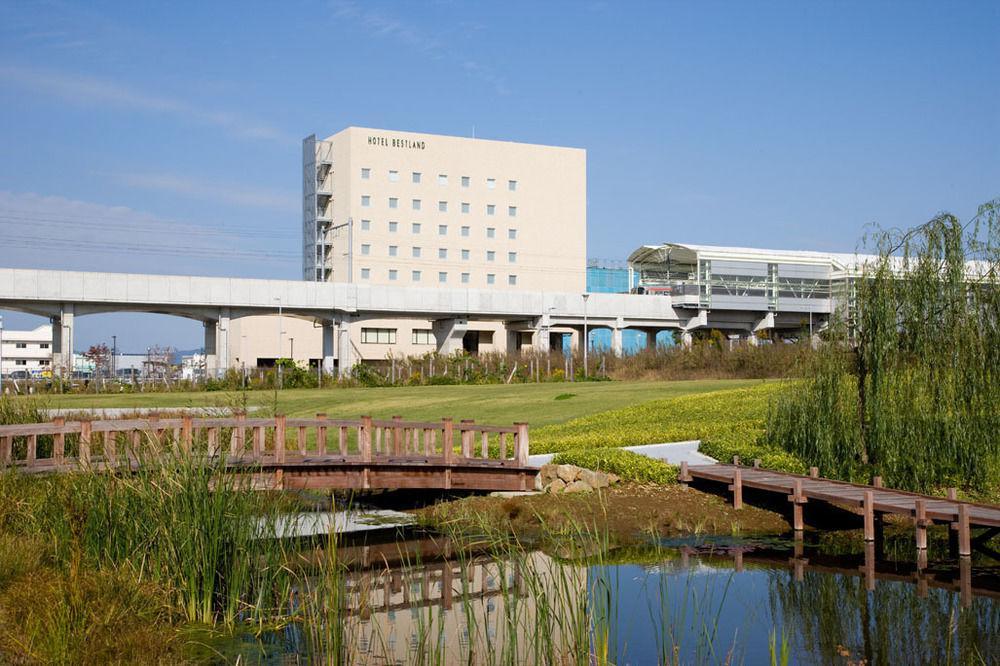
{"x": 395, "y": 142}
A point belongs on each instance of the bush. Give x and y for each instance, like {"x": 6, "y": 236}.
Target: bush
{"x": 626, "y": 464}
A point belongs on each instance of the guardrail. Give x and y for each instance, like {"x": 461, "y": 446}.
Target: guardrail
{"x": 62, "y": 445}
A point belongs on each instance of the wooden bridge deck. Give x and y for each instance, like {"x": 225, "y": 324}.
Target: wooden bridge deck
{"x": 288, "y": 453}
{"x": 874, "y": 500}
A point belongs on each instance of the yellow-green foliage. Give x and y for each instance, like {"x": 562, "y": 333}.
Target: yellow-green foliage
{"x": 728, "y": 423}
{"x": 629, "y": 466}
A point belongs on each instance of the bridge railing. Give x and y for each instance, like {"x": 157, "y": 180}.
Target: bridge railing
{"x": 279, "y": 440}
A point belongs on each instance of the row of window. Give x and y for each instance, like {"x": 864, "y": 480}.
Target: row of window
{"x": 417, "y": 276}
{"x": 21, "y": 361}
{"x": 465, "y": 231}
{"x": 417, "y": 252}
{"x": 417, "y": 204}
{"x": 416, "y": 177}
{"x": 24, "y": 345}
{"x": 387, "y": 336}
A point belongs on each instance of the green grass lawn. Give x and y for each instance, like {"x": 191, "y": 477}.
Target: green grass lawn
{"x": 492, "y": 404}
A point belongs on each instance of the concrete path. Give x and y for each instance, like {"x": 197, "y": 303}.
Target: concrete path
{"x": 672, "y": 452}
{"x": 341, "y": 522}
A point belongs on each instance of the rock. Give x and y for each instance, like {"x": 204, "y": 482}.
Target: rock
{"x": 548, "y": 473}
{"x": 539, "y": 485}
{"x": 614, "y": 479}
{"x": 568, "y": 473}
{"x": 555, "y": 486}
{"x": 578, "y": 487}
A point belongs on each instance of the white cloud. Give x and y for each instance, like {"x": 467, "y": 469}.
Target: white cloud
{"x": 81, "y": 89}
{"x": 227, "y": 193}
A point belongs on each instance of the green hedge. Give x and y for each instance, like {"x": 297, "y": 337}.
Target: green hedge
{"x": 629, "y": 466}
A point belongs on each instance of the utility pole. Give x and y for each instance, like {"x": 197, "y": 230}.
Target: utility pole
{"x": 586, "y": 336}
{"x": 277, "y": 360}
{"x": 114, "y": 356}
{"x": 1, "y": 355}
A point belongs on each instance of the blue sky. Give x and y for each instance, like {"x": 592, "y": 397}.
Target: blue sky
{"x": 165, "y": 137}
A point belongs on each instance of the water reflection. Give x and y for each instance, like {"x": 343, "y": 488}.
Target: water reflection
{"x": 425, "y": 600}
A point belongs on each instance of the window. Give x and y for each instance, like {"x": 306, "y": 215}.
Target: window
{"x": 511, "y": 211}
{"x": 393, "y": 227}
{"x": 442, "y": 179}
{"x": 20, "y": 345}
{"x": 416, "y": 204}
{"x": 43, "y": 362}
{"x": 442, "y": 253}
{"x": 491, "y": 183}
{"x": 442, "y": 230}
{"x": 442, "y": 277}
{"x": 491, "y": 278}
{"x": 415, "y": 227}
{"x": 465, "y": 231}
{"x": 512, "y": 234}
{"x": 512, "y": 257}
{"x": 366, "y": 173}
{"x": 43, "y": 345}
{"x": 366, "y": 273}
{"x": 416, "y": 177}
{"x": 366, "y": 200}
{"x": 443, "y": 206}
{"x": 465, "y": 278}
{"x": 512, "y": 185}
{"x": 491, "y": 232}
{"x": 366, "y": 225}
{"x": 393, "y": 202}
{"x": 378, "y": 336}
{"x": 393, "y": 250}
{"x": 465, "y": 181}
{"x": 491, "y": 209}
{"x": 423, "y": 336}
{"x": 20, "y": 361}
{"x": 416, "y": 252}
{"x": 512, "y": 280}
{"x": 491, "y": 255}
{"x": 466, "y": 207}
{"x": 465, "y": 255}
{"x": 366, "y": 248}
{"x": 416, "y": 276}
{"x": 393, "y": 274}
{"x": 394, "y": 176}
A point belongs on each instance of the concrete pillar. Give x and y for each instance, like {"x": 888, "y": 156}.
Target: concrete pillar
{"x": 513, "y": 340}
{"x": 616, "y": 341}
{"x": 329, "y": 338}
{"x": 651, "y": 338}
{"x": 211, "y": 348}
{"x": 345, "y": 350}
{"x": 686, "y": 339}
{"x": 62, "y": 341}
{"x": 222, "y": 343}
{"x": 541, "y": 340}
{"x": 449, "y": 333}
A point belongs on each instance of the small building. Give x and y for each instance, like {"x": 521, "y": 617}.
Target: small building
{"x": 25, "y": 354}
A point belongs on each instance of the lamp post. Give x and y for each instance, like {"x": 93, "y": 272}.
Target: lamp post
{"x": 586, "y": 337}
{"x": 114, "y": 356}
{"x": 1, "y": 355}
{"x": 291, "y": 350}
{"x": 277, "y": 360}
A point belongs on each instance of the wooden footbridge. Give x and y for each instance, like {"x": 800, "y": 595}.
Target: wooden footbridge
{"x": 282, "y": 452}
{"x": 872, "y": 501}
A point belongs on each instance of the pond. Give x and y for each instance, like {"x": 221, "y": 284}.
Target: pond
{"x": 412, "y": 597}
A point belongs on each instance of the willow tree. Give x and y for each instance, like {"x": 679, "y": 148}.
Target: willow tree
{"x": 920, "y": 403}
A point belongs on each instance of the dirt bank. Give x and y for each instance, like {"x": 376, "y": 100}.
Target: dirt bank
{"x": 627, "y": 513}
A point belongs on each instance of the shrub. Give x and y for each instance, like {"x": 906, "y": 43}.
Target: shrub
{"x": 626, "y": 464}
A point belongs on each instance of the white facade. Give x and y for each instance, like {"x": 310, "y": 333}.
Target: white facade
{"x": 26, "y": 353}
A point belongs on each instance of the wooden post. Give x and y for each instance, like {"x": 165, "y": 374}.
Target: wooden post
{"x": 213, "y": 442}
{"x": 877, "y": 481}
{"x": 756, "y": 463}
{"x": 397, "y": 436}
{"x": 258, "y": 442}
{"x": 342, "y": 440}
{"x": 736, "y": 460}
{"x": 187, "y": 433}
{"x": 85, "y": 429}
{"x": 110, "y": 447}
{"x": 868, "y": 509}
{"x": 301, "y": 438}
{"x": 154, "y": 427}
{"x": 321, "y": 436}
{"x": 870, "y": 565}
{"x": 684, "y": 476}
{"x": 921, "y": 523}
{"x": 965, "y": 581}
{"x": 797, "y": 499}
{"x": 365, "y": 438}
{"x": 814, "y": 472}
{"x": 32, "y": 449}
{"x": 6, "y": 449}
{"x": 239, "y": 443}
{"x": 964, "y": 535}
{"x": 953, "y": 494}
{"x": 59, "y": 440}
{"x": 503, "y": 446}
{"x": 279, "y": 438}
{"x": 486, "y": 444}
{"x": 737, "y": 488}
{"x": 448, "y": 444}
{"x": 466, "y": 438}
{"x": 522, "y": 446}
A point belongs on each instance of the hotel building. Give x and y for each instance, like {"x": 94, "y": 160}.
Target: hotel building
{"x": 406, "y": 209}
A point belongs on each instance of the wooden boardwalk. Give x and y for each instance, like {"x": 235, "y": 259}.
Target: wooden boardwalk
{"x": 287, "y": 453}
{"x": 874, "y": 501}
